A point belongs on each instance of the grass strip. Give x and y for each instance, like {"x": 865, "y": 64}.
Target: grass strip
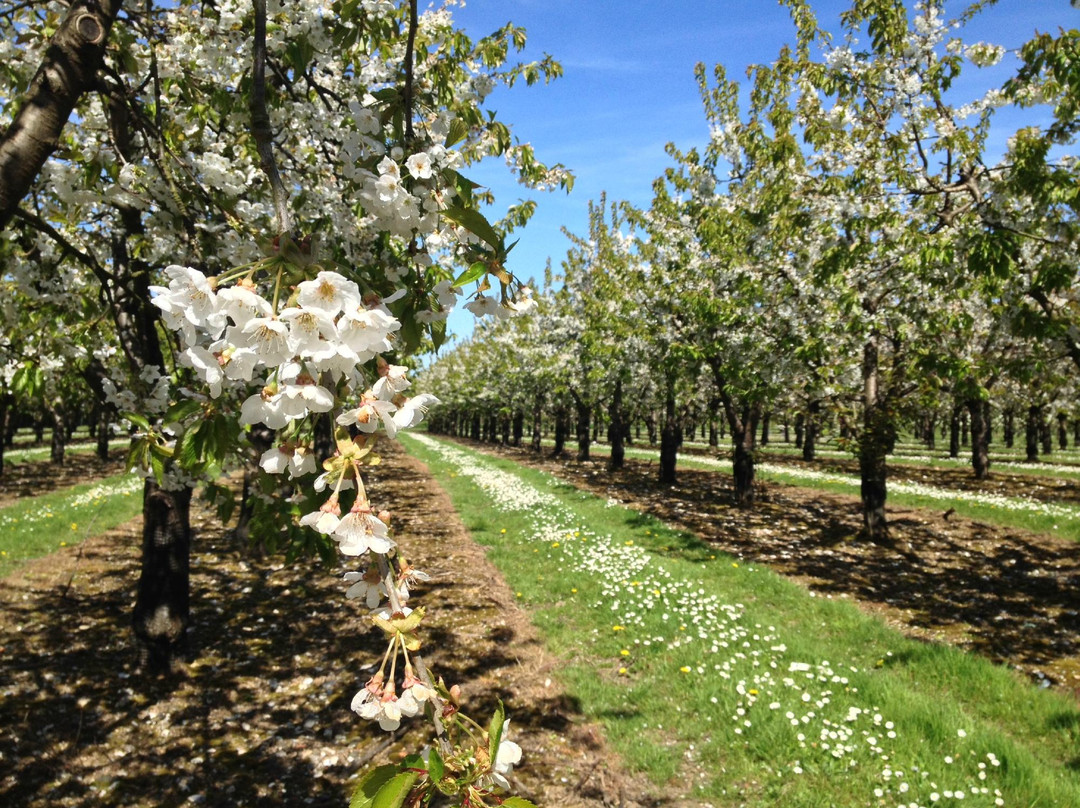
{"x": 36, "y": 526}
{"x": 731, "y": 684}
{"x": 34, "y": 454}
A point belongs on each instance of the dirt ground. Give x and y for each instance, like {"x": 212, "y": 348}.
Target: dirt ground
{"x": 261, "y": 715}
{"x": 1010, "y": 595}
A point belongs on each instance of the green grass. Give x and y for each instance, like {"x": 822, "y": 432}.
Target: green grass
{"x": 37, "y": 526}
{"x": 669, "y": 699}
{"x": 36, "y": 454}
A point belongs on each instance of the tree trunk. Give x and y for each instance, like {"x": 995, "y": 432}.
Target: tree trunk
{"x": 1008, "y": 428}
{"x": 765, "y": 418}
{"x": 104, "y": 432}
{"x": 584, "y": 414}
{"x": 1046, "y": 434}
{"x": 58, "y": 445}
{"x": 980, "y": 437}
{"x": 616, "y": 428}
{"x": 811, "y": 426}
{"x": 162, "y": 614}
{"x": 650, "y": 427}
{"x": 669, "y": 439}
{"x": 561, "y": 418}
{"x": 1063, "y": 431}
{"x": 800, "y": 421}
{"x": 518, "y": 426}
{"x": 538, "y": 419}
{"x": 1031, "y": 434}
{"x": 873, "y": 445}
{"x": 475, "y": 426}
{"x": 963, "y": 428}
{"x": 714, "y": 411}
{"x": 743, "y": 430}
{"x": 5, "y": 413}
{"x": 954, "y": 432}
{"x": 504, "y": 426}
{"x": 931, "y": 432}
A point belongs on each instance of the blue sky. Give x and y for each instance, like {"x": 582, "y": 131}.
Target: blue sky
{"x": 629, "y": 89}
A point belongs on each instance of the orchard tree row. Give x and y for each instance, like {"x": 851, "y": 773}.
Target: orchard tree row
{"x": 255, "y": 216}
{"x": 844, "y": 248}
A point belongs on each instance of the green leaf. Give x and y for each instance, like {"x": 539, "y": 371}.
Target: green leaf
{"x": 394, "y": 792}
{"x": 438, "y": 334}
{"x": 474, "y": 273}
{"x": 138, "y": 420}
{"x": 181, "y": 410}
{"x": 436, "y": 768}
{"x": 475, "y": 222}
{"x": 495, "y": 730}
{"x": 458, "y": 130}
{"x": 370, "y": 784}
{"x": 517, "y": 802}
{"x": 157, "y": 465}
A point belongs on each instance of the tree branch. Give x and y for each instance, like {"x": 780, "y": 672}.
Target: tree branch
{"x": 260, "y": 122}
{"x": 75, "y": 54}
{"x": 409, "y": 56}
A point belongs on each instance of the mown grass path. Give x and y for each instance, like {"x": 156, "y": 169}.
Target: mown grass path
{"x": 711, "y": 672}
{"x": 1008, "y": 594}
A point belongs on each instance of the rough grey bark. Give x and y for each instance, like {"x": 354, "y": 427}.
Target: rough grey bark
{"x": 954, "y": 432}
{"x": 616, "y": 428}
{"x": 58, "y": 444}
{"x": 68, "y": 70}
{"x": 162, "y": 610}
{"x": 810, "y": 427}
{"x": 1031, "y": 433}
{"x": 669, "y": 438}
{"x": 562, "y": 416}
{"x": 873, "y": 448}
{"x": 538, "y": 422}
{"x": 584, "y": 414}
{"x": 518, "y": 426}
{"x": 980, "y": 437}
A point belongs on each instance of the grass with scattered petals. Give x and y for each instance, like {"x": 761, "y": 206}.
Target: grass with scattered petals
{"x": 735, "y": 686}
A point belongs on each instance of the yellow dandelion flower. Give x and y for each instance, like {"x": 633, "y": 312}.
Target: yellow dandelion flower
{"x": 625, "y": 652}
{"x": 573, "y": 591}
{"x": 617, "y": 628}
{"x": 503, "y": 530}
{"x": 734, "y": 564}
{"x": 685, "y": 669}
{"x": 622, "y": 671}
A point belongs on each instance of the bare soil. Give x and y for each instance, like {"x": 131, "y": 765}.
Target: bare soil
{"x": 260, "y": 715}
{"x": 1010, "y": 595}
